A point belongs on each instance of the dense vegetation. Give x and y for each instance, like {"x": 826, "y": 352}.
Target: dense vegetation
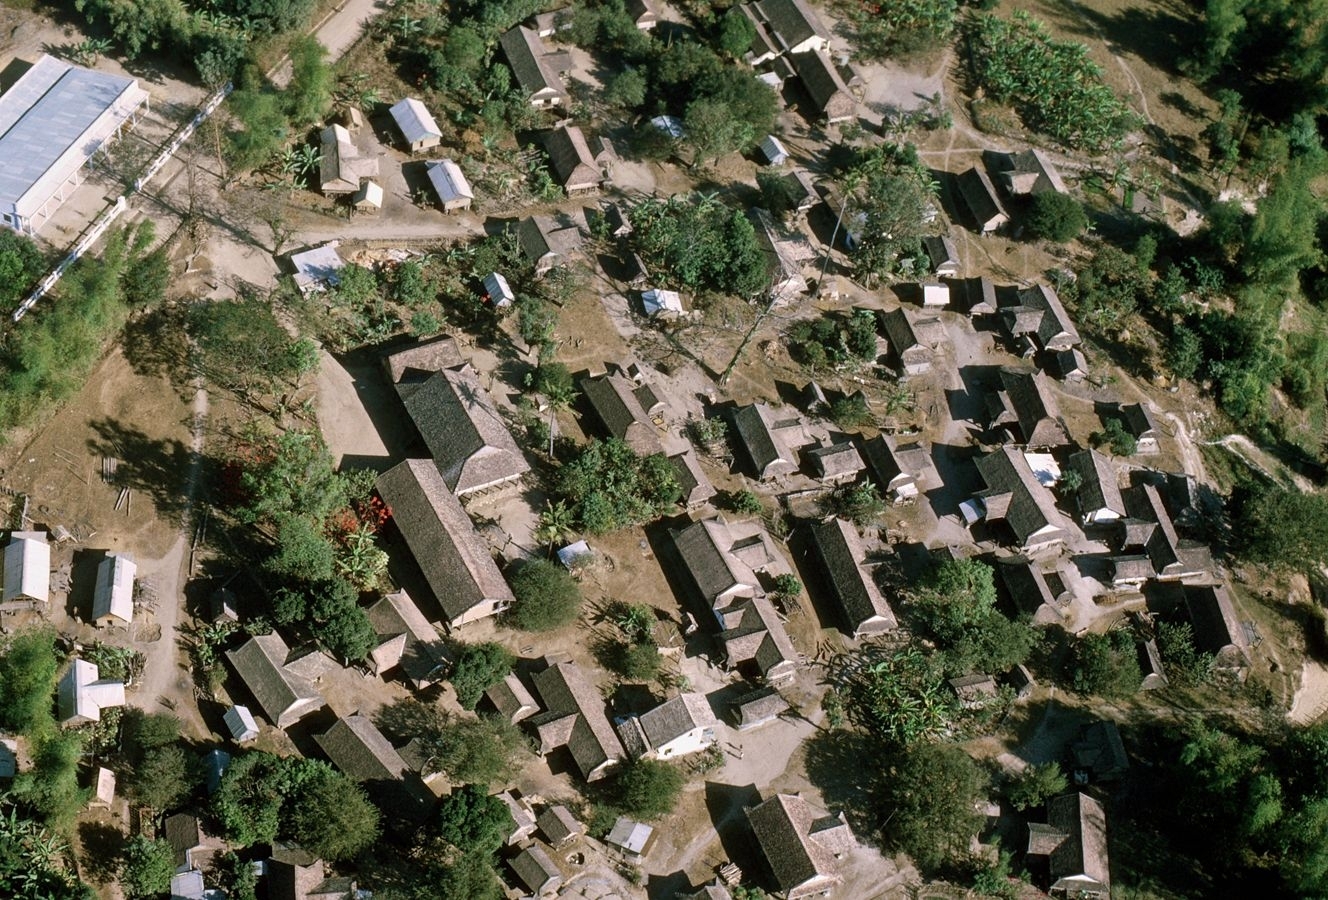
{"x": 609, "y": 486}
{"x": 698, "y": 243}
{"x": 547, "y": 596}
{"x": 47, "y": 356}
{"x": 890, "y": 201}
{"x": 1053, "y": 85}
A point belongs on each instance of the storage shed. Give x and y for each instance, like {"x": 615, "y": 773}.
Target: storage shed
{"x": 418, "y": 129}
{"x": 450, "y": 184}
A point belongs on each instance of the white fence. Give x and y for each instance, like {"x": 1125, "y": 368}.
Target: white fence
{"x": 112, "y": 212}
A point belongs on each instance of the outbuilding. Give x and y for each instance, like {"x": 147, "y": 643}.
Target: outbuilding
{"x": 450, "y": 184}
{"x": 418, "y": 129}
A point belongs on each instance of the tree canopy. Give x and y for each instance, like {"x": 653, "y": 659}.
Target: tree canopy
{"x": 1280, "y": 526}
{"x": 931, "y": 794}
{"x": 956, "y": 607}
{"x": 479, "y": 667}
{"x": 697, "y": 243}
{"x": 610, "y": 486}
{"x": 547, "y": 596}
{"x": 471, "y": 750}
{"x": 473, "y": 821}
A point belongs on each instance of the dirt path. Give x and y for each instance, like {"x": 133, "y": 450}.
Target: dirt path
{"x": 166, "y": 679}
{"x": 1311, "y": 700}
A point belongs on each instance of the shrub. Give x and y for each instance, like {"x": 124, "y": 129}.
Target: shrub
{"x": 478, "y": 667}
{"x": 146, "y": 868}
{"x": 472, "y": 820}
{"x": 547, "y": 596}
{"x": 648, "y": 789}
{"x": 1054, "y": 216}
{"x": 1114, "y": 435}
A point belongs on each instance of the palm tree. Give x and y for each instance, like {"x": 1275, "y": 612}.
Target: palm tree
{"x": 557, "y": 523}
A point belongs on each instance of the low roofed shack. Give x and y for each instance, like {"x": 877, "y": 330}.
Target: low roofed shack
{"x": 903, "y": 470}
{"x": 454, "y": 559}
{"x": 53, "y": 120}
{"x": 82, "y": 694}
{"x": 537, "y": 871}
{"x": 1013, "y": 495}
{"x": 1099, "y": 494}
{"x": 558, "y": 826}
{"x": 241, "y": 724}
{"x": 528, "y": 57}
{"x": 771, "y": 437}
{"x": 360, "y": 751}
{"x": 27, "y": 562}
{"x": 829, "y": 94}
{"x": 511, "y": 699}
{"x": 861, "y": 606}
{"x": 450, "y": 184}
{"x": 416, "y": 124}
{"x": 624, "y": 411}
{"x": 406, "y": 641}
{"x": 1074, "y": 841}
{"x": 1139, "y": 422}
{"x": 284, "y": 696}
{"x": 943, "y": 255}
{"x": 341, "y": 167}
{"x": 1031, "y": 172}
{"x": 317, "y": 268}
{"x": 466, "y": 434}
{"x": 417, "y": 362}
{"x": 909, "y": 346}
{"x": 802, "y": 845}
{"x": 980, "y": 197}
{"x": 113, "y": 594}
{"x": 573, "y": 164}
{"x": 758, "y": 708}
{"x": 576, "y": 719}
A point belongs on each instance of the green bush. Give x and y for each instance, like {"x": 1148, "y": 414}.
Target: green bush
{"x": 1055, "y": 217}
{"x": 147, "y": 868}
{"x": 1106, "y": 665}
{"x": 547, "y": 596}
{"x": 647, "y": 789}
{"x": 479, "y": 667}
{"x": 473, "y": 821}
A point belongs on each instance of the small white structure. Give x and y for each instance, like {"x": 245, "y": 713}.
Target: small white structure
{"x": 416, "y": 124}
{"x": 27, "y": 567}
{"x": 497, "y": 291}
{"x": 113, "y": 596}
{"x": 317, "y": 268}
{"x": 450, "y": 184}
{"x": 188, "y": 885}
{"x": 680, "y": 726}
{"x": 369, "y": 198}
{"x": 660, "y": 302}
{"x": 103, "y": 788}
{"x": 573, "y": 554}
{"x": 634, "y": 839}
{"x": 82, "y": 695}
{"x": 935, "y": 295}
{"x": 242, "y": 724}
{"x": 773, "y": 150}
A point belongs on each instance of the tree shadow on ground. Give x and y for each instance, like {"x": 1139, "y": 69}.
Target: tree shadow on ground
{"x": 835, "y": 765}
{"x": 103, "y": 845}
{"x": 156, "y": 467}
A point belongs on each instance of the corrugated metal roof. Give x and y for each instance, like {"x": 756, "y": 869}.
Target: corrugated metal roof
{"x": 415, "y": 122}
{"x": 51, "y": 122}
{"x": 449, "y": 182}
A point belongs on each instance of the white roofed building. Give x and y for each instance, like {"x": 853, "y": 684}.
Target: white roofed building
{"x": 417, "y": 126}
{"x": 450, "y": 184}
{"x": 661, "y": 302}
{"x": 242, "y": 724}
{"x": 317, "y": 268}
{"x": 113, "y": 595}
{"x": 83, "y": 695}
{"x": 55, "y": 118}
{"x": 27, "y": 567}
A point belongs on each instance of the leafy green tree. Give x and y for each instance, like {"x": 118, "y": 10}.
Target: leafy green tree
{"x": 736, "y": 33}
{"x": 242, "y": 347}
{"x": 28, "y": 669}
{"x": 479, "y": 667}
{"x": 247, "y": 804}
{"x": 627, "y": 89}
{"x": 956, "y": 607}
{"x": 309, "y": 94}
{"x": 1281, "y": 241}
{"x": 1186, "y": 663}
{"x": 330, "y": 815}
{"x": 473, "y": 821}
{"x": 343, "y": 628}
{"x": 633, "y": 660}
{"x": 290, "y": 474}
{"x": 147, "y": 868}
{"x": 1106, "y": 665}
{"x": 713, "y": 132}
{"x": 1114, "y": 435}
{"x": 743, "y": 502}
{"x": 479, "y": 751}
{"x": 163, "y": 777}
{"x": 50, "y": 787}
{"x": 303, "y": 552}
{"x": 780, "y": 194}
{"x": 263, "y": 127}
{"x": 21, "y": 264}
{"x": 547, "y": 596}
{"x": 270, "y": 16}
{"x": 787, "y": 585}
{"x": 469, "y": 875}
{"x": 647, "y": 788}
{"x": 902, "y": 29}
{"x": 611, "y": 487}
{"x": 1184, "y": 353}
{"x": 899, "y": 696}
{"x": 699, "y": 243}
{"x": 859, "y": 503}
{"x": 1280, "y": 527}
{"x": 237, "y": 877}
{"x": 1054, "y": 216}
{"x": 930, "y": 803}
{"x": 889, "y": 198}
{"x": 1035, "y": 785}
